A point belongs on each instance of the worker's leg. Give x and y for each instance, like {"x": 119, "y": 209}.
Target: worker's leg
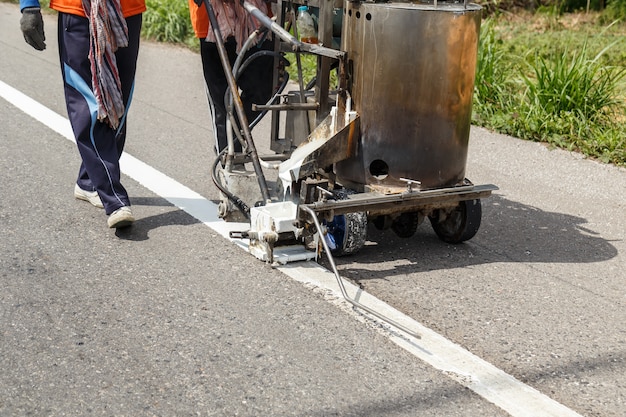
{"x": 99, "y": 146}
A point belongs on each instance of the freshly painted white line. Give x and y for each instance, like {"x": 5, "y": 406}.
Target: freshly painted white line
{"x": 36, "y": 110}
{"x": 488, "y": 381}
{"x": 491, "y": 383}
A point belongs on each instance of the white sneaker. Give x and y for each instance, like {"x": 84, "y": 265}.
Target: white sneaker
{"x": 122, "y": 217}
{"x": 90, "y": 196}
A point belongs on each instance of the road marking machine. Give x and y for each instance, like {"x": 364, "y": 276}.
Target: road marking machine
{"x": 379, "y": 135}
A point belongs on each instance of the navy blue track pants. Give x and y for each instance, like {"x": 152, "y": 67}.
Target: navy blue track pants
{"x": 100, "y": 147}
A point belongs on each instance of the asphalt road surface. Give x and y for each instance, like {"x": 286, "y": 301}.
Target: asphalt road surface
{"x": 171, "y": 318}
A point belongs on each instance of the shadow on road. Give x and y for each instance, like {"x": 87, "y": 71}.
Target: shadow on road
{"x": 142, "y": 226}
{"x": 510, "y": 232}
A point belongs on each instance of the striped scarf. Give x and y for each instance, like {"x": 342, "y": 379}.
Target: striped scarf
{"x": 107, "y": 33}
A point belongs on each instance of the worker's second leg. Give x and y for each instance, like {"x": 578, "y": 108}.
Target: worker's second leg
{"x": 216, "y": 86}
{"x": 256, "y": 82}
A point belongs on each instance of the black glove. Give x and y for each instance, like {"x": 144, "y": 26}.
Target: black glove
{"x": 31, "y": 24}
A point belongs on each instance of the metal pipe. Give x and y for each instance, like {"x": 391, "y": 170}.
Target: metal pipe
{"x": 278, "y": 92}
{"x": 299, "y": 68}
{"x": 272, "y": 25}
{"x": 342, "y": 286}
{"x": 237, "y": 101}
{"x": 286, "y": 106}
{"x": 376, "y": 203}
{"x": 296, "y": 45}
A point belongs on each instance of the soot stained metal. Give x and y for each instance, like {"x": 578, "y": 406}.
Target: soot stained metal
{"x": 386, "y": 145}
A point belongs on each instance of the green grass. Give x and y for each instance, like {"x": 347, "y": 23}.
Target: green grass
{"x": 168, "y": 21}
{"x": 567, "y": 89}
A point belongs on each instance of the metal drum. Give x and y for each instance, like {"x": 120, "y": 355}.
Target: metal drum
{"x": 411, "y": 77}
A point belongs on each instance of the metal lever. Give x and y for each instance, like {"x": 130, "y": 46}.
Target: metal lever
{"x": 410, "y": 183}
{"x": 342, "y": 286}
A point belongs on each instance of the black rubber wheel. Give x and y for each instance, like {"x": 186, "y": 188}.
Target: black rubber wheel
{"x": 461, "y": 224}
{"x": 405, "y": 225}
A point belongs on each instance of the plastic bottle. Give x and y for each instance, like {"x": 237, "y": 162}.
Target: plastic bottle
{"x": 306, "y": 27}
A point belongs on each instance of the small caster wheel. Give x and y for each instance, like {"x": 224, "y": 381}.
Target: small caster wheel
{"x": 405, "y": 225}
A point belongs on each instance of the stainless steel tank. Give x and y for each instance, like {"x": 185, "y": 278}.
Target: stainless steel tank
{"x": 412, "y": 68}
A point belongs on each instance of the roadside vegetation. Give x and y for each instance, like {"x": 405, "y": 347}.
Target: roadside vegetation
{"x": 557, "y": 79}
{"x": 552, "y": 73}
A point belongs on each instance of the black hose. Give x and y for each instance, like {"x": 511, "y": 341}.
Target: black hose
{"x": 257, "y": 54}
{"x": 238, "y": 202}
{"x": 240, "y": 70}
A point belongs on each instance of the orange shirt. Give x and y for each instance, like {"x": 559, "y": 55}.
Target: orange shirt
{"x": 199, "y": 19}
{"x": 129, "y": 7}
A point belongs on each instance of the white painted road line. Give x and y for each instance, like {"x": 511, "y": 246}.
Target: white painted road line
{"x": 491, "y": 383}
